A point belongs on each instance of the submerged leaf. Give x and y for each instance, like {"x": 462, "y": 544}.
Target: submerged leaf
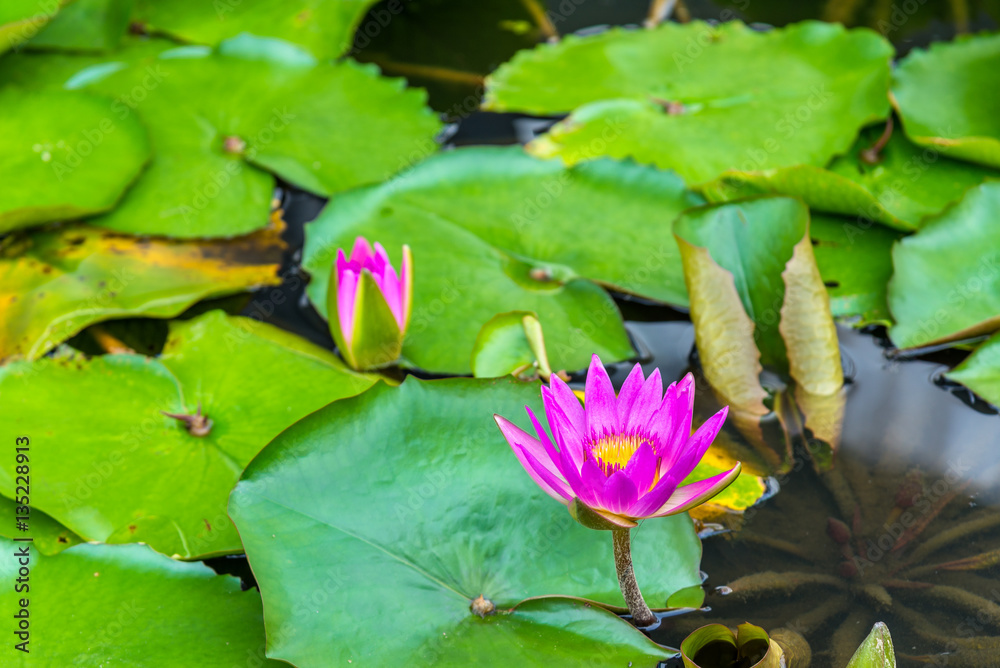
{"x": 119, "y": 469}
{"x": 54, "y": 283}
{"x": 700, "y": 98}
{"x": 449, "y": 515}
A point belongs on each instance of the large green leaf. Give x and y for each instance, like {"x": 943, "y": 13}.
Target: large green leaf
{"x": 86, "y": 25}
{"x": 63, "y": 156}
{"x": 946, "y": 284}
{"x": 125, "y": 605}
{"x": 701, "y": 99}
{"x": 980, "y": 372}
{"x": 855, "y": 259}
{"x": 112, "y": 467}
{"x": 407, "y": 503}
{"x": 947, "y": 97}
{"x": 324, "y": 27}
{"x": 20, "y": 20}
{"x": 54, "y": 283}
{"x": 907, "y": 184}
{"x": 223, "y": 121}
{"x": 495, "y": 230}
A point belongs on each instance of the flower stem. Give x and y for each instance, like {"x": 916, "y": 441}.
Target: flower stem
{"x": 641, "y": 614}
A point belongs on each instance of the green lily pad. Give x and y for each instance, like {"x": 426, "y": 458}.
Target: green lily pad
{"x": 64, "y": 157}
{"x": 117, "y": 470}
{"x": 54, "y": 283}
{"x": 125, "y": 605}
{"x": 702, "y": 99}
{"x": 407, "y": 503}
{"x": 908, "y": 184}
{"x": 224, "y": 123}
{"x": 20, "y": 20}
{"x": 48, "y": 536}
{"x": 980, "y": 371}
{"x": 876, "y": 651}
{"x": 495, "y": 230}
{"x": 511, "y": 343}
{"x": 946, "y": 96}
{"x": 324, "y": 27}
{"x": 855, "y": 260}
{"x": 946, "y": 284}
{"x": 86, "y": 25}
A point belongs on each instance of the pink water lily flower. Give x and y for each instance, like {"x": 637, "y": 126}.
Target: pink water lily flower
{"x": 619, "y": 459}
{"x": 369, "y": 304}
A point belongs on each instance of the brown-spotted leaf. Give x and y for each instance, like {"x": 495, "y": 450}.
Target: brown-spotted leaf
{"x": 54, "y": 283}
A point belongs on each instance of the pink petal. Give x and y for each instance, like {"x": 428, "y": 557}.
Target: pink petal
{"x": 591, "y": 490}
{"x": 362, "y": 251}
{"x": 390, "y": 290}
{"x": 689, "y": 496}
{"x": 380, "y": 259}
{"x": 347, "y": 296}
{"x": 619, "y": 493}
{"x": 566, "y": 433}
{"x": 563, "y": 396}
{"x": 541, "y": 469}
{"x": 646, "y": 405}
{"x": 688, "y": 456}
{"x": 654, "y": 498}
{"x": 629, "y": 392}
{"x": 641, "y": 468}
{"x": 600, "y": 403}
{"x": 550, "y": 450}
{"x": 671, "y": 426}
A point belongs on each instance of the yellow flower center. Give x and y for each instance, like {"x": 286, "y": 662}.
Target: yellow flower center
{"x": 613, "y": 452}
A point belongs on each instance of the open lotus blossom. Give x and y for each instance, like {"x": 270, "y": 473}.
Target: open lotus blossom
{"x": 619, "y": 459}
{"x": 369, "y": 304}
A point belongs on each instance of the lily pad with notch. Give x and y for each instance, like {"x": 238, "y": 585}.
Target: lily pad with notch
{"x": 147, "y": 449}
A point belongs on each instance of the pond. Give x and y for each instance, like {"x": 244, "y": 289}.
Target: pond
{"x": 518, "y": 332}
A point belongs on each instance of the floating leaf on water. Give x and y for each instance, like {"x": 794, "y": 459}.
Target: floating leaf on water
{"x": 700, "y": 98}
{"x": 495, "y": 230}
{"x": 449, "y": 515}
{"x": 980, "y": 372}
{"x": 118, "y": 470}
{"x": 855, "y": 259}
{"x": 324, "y": 27}
{"x": 907, "y": 184}
{"x": 225, "y": 122}
{"x": 946, "y": 284}
{"x": 503, "y": 347}
{"x": 53, "y": 283}
{"x": 939, "y": 93}
{"x": 126, "y": 605}
{"x": 85, "y": 25}
{"x": 48, "y": 536}
{"x": 20, "y": 20}
{"x": 63, "y": 156}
